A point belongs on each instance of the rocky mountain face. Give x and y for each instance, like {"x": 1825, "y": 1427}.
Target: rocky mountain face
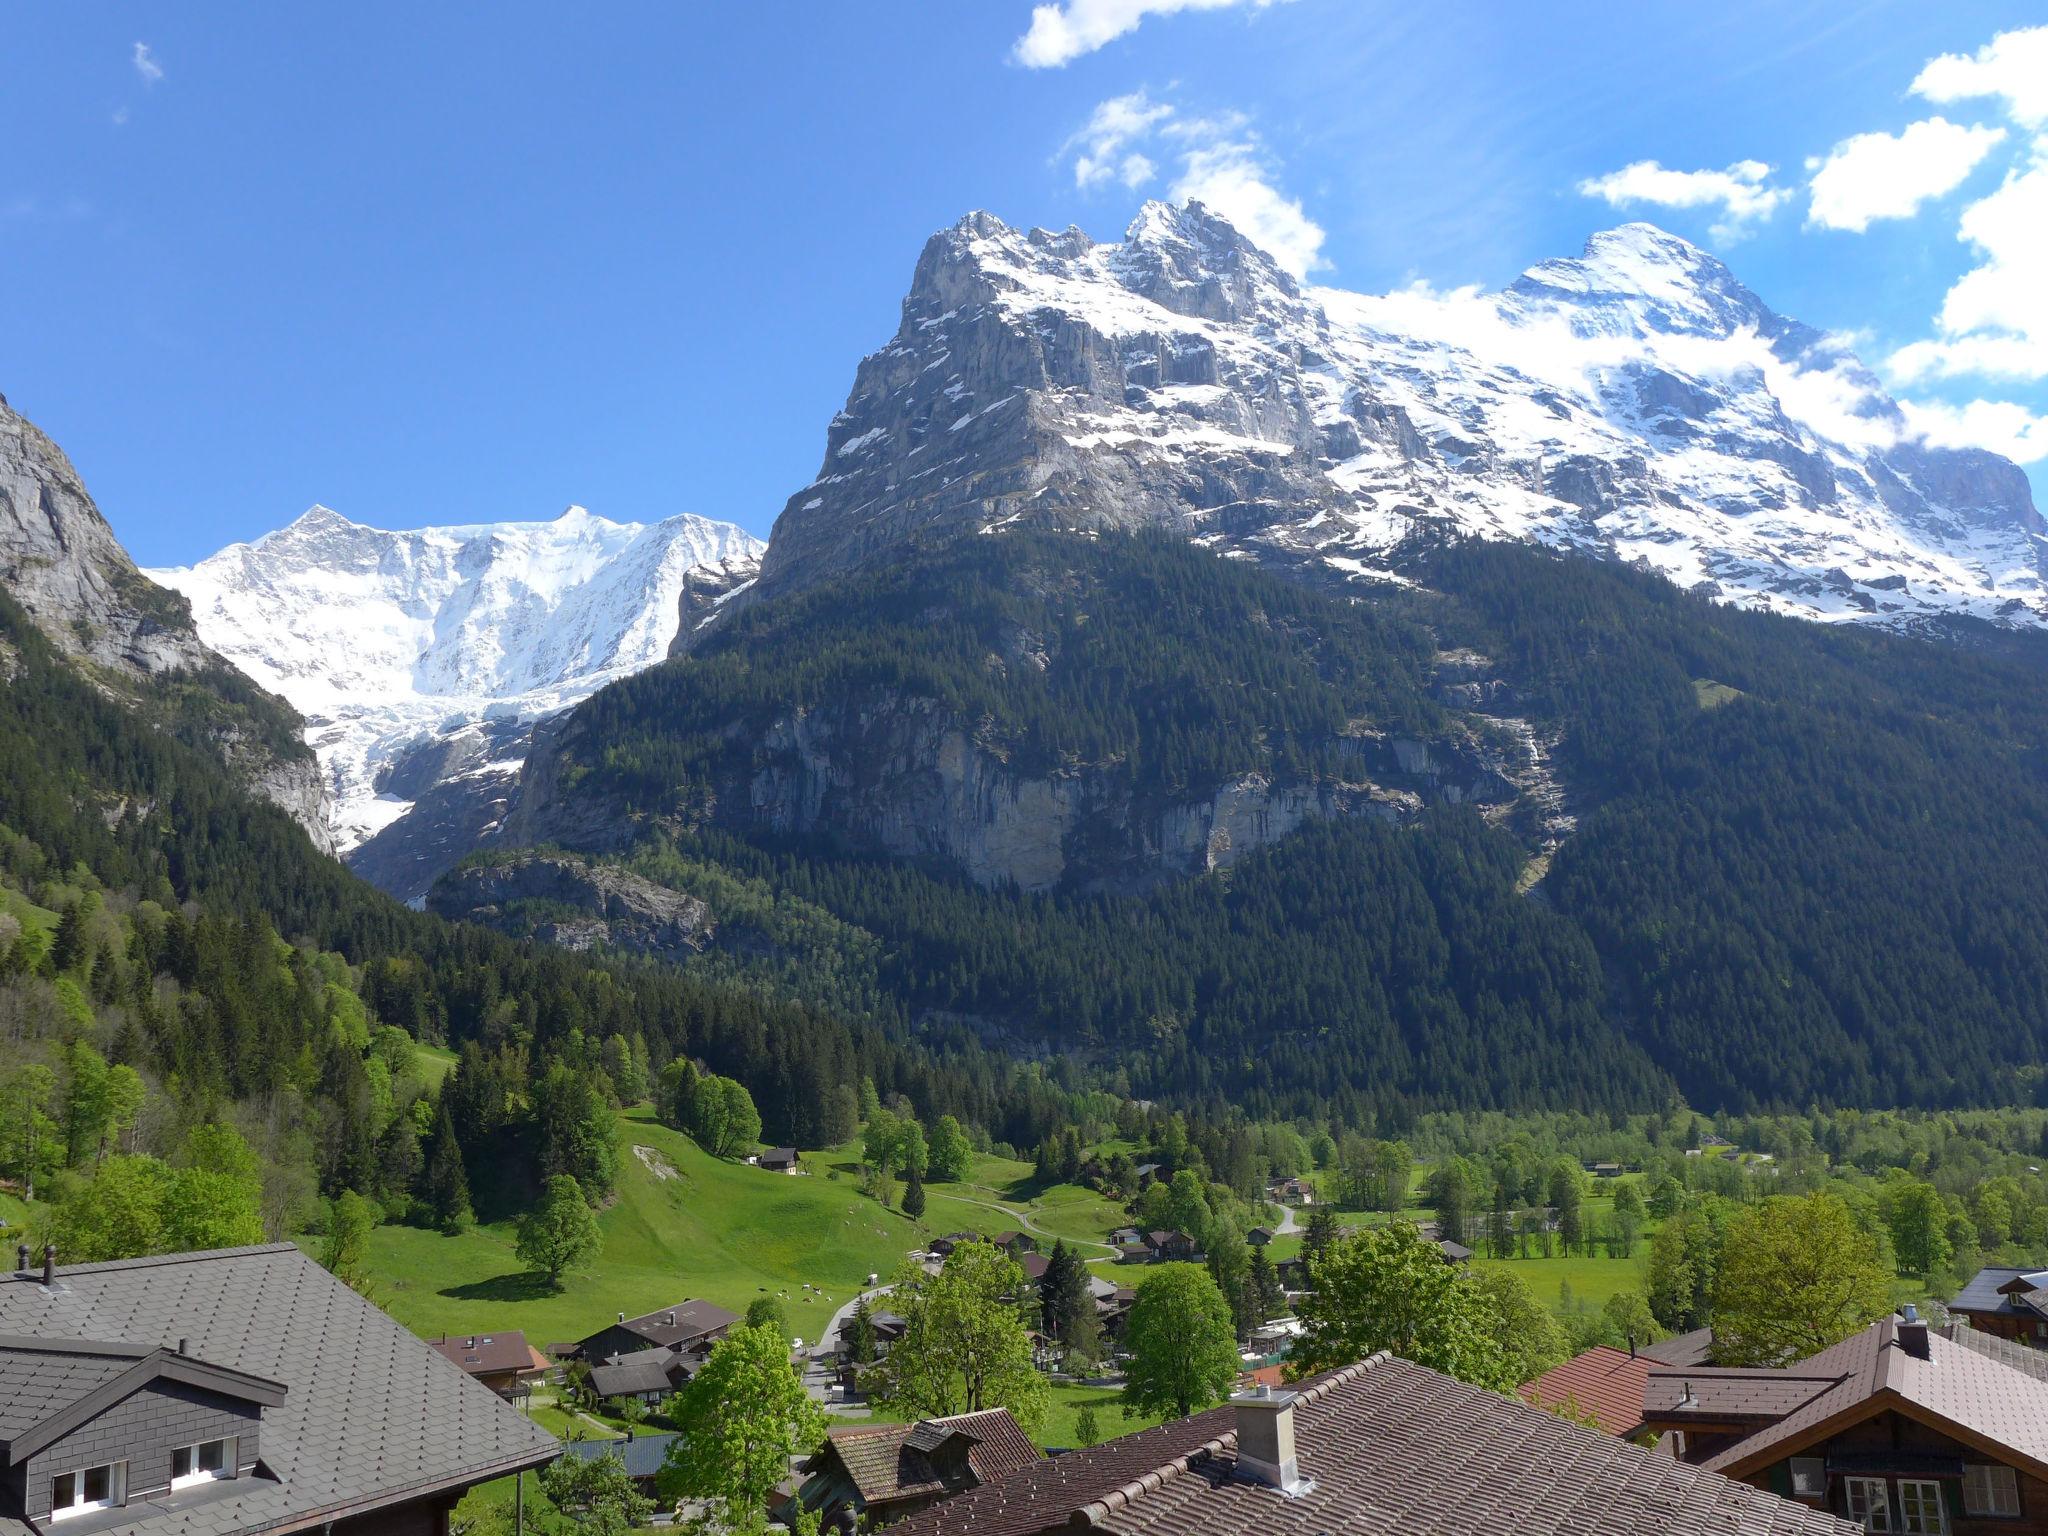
{"x": 1634, "y": 403}
{"x": 576, "y": 904}
{"x": 62, "y": 563}
{"x": 423, "y": 659}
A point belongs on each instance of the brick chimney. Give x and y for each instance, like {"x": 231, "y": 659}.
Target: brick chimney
{"x": 1913, "y": 1332}
{"x": 1265, "y": 1440}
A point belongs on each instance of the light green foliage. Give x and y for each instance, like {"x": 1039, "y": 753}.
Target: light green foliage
{"x": 132, "y": 1206}
{"x": 1182, "y": 1342}
{"x": 1525, "y": 1332}
{"x": 1797, "y": 1275}
{"x": 723, "y": 1118}
{"x": 964, "y": 1346}
{"x": 559, "y": 1234}
{"x": 1388, "y": 1288}
{"x": 1918, "y": 1221}
{"x": 350, "y": 1220}
{"x": 742, "y": 1417}
{"x": 595, "y": 1494}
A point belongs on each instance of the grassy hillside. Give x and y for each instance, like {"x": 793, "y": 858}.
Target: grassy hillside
{"x": 721, "y": 1231}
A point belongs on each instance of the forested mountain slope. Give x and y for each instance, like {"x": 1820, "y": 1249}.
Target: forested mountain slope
{"x": 62, "y": 564}
{"x": 1784, "y": 862}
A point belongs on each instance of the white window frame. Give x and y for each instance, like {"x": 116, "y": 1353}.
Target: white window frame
{"x": 1991, "y": 1491}
{"x": 117, "y": 1490}
{"x": 1813, "y": 1470}
{"x": 229, "y": 1445}
{"x": 1874, "y": 1495}
{"x": 1917, "y": 1498}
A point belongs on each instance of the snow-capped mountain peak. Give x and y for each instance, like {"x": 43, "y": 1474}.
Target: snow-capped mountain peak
{"x": 1634, "y": 402}
{"x": 395, "y": 641}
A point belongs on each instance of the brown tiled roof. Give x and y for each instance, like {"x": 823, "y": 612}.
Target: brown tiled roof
{"x": 1606, "y": 1383}
{"x": 1970, "y": 1389}
{"x": 1394, "y": 1450}
{"x": 891, "y": 1462}
{"x": 486, "y": 1354}
{"x": 1724, "y": 1393}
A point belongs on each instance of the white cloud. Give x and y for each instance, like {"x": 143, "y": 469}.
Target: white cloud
{"x": 2013, "y": 66}
{"x": 1231, "y": 178}
{"x": 1999, "y": 425}
{"x": 1888, "y": 176}
{"x": 146, "y": 64}
{"x": 1995, "y": 319}
{"x": 1060, "y": 33}
{"x": 1742, "y": 192}
{"x": 1220, "y": 163}
{"x": 1104, "y": 145}
{"x": 121, "y": 117}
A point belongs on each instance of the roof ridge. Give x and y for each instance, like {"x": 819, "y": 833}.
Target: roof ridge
{"x": 1119, "y": 1498}
{"x": 153, "y": 1260}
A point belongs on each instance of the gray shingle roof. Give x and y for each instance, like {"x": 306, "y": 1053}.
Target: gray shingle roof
{"x": 643, "y": 1454}
{"x": 371, "y": 1415}
{"x": 1395, "y": 1450}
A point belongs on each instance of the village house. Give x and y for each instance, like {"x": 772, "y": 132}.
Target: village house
{"x": 504, "y": 1362}
{"x": 1380, "y": 1448}
{"x": 943, "y": 1246}
{"x": 2011, "y": 1303}
{"x": 1172, "y": 1247}
{"x": 781, "y": 1160}
{"x": 1015, "y": 1244}
{"x": 232, "y": 1392}
{"x": 873, "y": 1474}
{"x": 645, "y": 1376}
{"x": 1901, "y": 1427}
{"x": 1292, "y": 1191}
{"x": 687, "y": 1327}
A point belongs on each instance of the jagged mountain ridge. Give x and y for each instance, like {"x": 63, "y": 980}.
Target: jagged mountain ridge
{"x": 62, "y": 563}
{"x": 1636, "y": 402}
{"x": 422, "y": 658}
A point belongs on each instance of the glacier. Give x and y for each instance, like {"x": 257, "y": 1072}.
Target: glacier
{"x": 425, "y": 655}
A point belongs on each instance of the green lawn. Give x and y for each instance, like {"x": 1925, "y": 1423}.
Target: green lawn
{"x": 436, "y": 1062}
{"x": 722, "y": 1231}
{"x": 1067, "y": 1402}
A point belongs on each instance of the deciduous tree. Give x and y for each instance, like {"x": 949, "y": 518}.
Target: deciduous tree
{"x": 1182, "y": 1341}
{"x": 1797, "y": 1275}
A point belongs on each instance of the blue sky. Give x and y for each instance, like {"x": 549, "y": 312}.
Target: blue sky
{"x": 440, "y": 264}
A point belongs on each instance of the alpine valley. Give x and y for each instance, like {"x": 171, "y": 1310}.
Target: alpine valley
{"x": 1251, "y": 695}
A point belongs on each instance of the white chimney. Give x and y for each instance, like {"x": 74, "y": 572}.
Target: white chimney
{"x": 1265, "y": 1440}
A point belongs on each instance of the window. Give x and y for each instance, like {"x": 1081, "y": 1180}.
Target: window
{"x": 1989, "y": 1489}
{"x": 1920, "y": 1508}
{"x": 203, "y": 1462}
{"x": 88, "y": 1489}
{"x": 1809, "y": 1477}
{"x": 1870, "y": 1502}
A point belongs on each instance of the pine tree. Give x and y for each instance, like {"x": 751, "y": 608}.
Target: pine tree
{"x": 913, "y": 1194}
{"x": 447, "y": 1190}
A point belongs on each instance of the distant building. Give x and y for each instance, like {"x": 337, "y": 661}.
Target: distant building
{"x": 781, "y": 1160}
{"x": 1292, "y": 1191}
{"x": 642, "y": 1455}
{"x": 2011, "y": 1303}
{"x": 504, "y": 1361}
{"x": 647, "y": 1376}
{"x": 686, "y": 1326}
{"x": 1258, "y": 1237}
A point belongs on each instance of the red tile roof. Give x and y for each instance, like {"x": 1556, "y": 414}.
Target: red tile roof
{"x": 1606, "y": 1383}
{"x": 1394, "y": 1450}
